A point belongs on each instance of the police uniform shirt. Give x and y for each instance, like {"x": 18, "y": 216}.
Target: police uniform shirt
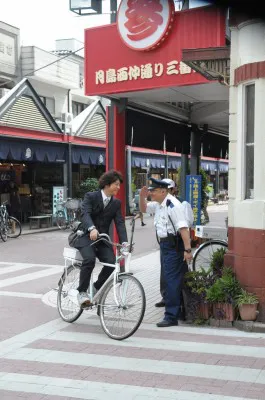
{"x": 163, "y": 211}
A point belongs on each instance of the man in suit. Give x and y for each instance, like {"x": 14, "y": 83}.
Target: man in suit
{"x": 98, "y": 211}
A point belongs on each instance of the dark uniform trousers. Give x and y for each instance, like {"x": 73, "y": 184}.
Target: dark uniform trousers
{"x": 173, "y": 269}
{"x": 104, "y": 253}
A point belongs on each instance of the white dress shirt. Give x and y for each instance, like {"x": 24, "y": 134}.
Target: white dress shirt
{"x": 105, "y": 198}
{"x": 162, "y": 212}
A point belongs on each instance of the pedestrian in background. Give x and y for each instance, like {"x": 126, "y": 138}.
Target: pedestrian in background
{"x": 174, "y": 239}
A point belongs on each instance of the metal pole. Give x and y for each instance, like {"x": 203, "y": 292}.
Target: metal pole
{"x": 129, "y": 179}
{"x": 184, "y": 172}
{"x": 113, "y": 11}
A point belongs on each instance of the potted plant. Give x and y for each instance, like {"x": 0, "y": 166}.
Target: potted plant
{"x": 222, "y": 294}
{"x": 247, "y": 304}
{"x": 196, "y": 284}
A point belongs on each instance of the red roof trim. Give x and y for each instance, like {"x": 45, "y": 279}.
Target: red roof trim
{"x": 250, "y": 71}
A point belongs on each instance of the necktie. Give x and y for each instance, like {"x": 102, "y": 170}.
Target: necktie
{"x": 106, "y": 201}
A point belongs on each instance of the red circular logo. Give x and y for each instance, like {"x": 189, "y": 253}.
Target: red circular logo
{"x": 144, "y": 24}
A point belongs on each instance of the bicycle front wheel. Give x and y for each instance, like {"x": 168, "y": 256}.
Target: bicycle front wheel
{"x": 61, "y": 220}
{"x": 203, "y": 256}
{"x": 67, "y": 302}
{"x": 120, "y": 317}
{"x": 13, "y": 227}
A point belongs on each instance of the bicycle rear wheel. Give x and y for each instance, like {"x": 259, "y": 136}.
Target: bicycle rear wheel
{"x": 13, "y": 227}
{"x": 67, "y": 303}
{"x": 61, "y": 220}
{"x": 120, "y": 321}
{"x": 203, "y": 256}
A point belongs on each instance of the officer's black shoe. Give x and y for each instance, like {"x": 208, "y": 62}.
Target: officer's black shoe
{"x": 165, "y": 323}
{"x": 143, "y": 224}
{"x": 160, "y": 304}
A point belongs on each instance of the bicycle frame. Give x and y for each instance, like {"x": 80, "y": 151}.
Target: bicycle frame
{"x": 117, "y": 271}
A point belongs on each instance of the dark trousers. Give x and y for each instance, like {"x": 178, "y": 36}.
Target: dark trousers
{"x": 173, "y": 270}
{"x": 104, "y": 253}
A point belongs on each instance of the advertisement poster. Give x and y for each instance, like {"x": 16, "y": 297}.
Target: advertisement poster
{"x": 57, "y": 196}
{"x": 193, "y": 195}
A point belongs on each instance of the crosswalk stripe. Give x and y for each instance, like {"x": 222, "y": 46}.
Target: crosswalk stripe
{"x": 21, "y": 294}
{"x": 163, "y": 344}
{"x": 134, "y": 364}
{"x": 97, "y": 391}
{"x": 30, "y": 277}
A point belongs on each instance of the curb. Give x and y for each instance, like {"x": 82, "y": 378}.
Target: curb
{"x": 33, "y": 231}
{"x": 249, "y": 326}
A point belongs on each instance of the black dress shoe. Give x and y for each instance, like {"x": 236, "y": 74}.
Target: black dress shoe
{"x": 160, "y": 304}
{"x": 165, "y": 323}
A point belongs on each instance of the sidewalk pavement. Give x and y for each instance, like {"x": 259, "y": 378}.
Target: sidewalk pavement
{"x": 55, "y": 360}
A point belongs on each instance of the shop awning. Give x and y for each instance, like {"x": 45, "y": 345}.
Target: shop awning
{"x": 223, "y": 167}
{"x": 31, "y": 151}
{"x": 88, "y": 155}
{"x": 209, "y": 165}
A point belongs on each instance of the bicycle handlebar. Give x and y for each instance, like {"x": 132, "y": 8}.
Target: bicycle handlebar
{"x": 106, "y": 238}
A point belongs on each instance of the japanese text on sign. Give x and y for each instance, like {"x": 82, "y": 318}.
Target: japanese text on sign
{"x": 193, "y": 196}
{"x": 146, "y": 71}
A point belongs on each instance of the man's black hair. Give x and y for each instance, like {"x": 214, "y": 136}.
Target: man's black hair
{"x": 110, "y": 177}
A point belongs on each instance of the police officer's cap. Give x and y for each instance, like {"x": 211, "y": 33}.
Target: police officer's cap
{"x": 157, "y": 184}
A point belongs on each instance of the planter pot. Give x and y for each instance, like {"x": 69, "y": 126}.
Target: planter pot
{"x": 248, "y": 312}
{"x": 224, "y": 311}
{"x": 205, "y": 310}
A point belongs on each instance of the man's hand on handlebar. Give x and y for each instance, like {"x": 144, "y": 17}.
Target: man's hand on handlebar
{"x": 94, "y": 234}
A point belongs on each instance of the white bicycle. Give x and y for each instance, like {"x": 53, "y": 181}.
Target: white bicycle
{"x": 120, "y": 302}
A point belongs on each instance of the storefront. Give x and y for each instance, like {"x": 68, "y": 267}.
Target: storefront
{"x": 36, "y": 168}
{"x": 147, "y": 80}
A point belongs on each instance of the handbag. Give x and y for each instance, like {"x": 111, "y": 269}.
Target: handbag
{"x": 75, "y": 234}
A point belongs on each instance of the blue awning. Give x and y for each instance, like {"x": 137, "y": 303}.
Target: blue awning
{"x": 88, "y": 155}
{"x": 209, "y": 165}
{"x": 32, "y": 151}
{"x": 174, "y": 162}
{"x": 223, "y": 167}
{"x": 145, "y": 161}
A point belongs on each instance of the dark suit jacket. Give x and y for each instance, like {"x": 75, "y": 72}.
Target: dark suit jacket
{"x": 94, "y": 213}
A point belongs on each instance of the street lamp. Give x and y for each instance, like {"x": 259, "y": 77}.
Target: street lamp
{"x": 86, "y": 7}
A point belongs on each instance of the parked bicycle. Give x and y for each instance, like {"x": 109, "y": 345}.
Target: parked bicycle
{"x": 10, "y": 227}
{"x": 67, "y": 212}
{"x": 120, "y": 302}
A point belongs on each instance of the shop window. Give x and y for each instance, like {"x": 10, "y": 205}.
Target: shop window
{"x": 249, "y": 140}
{"x": 49, "y": 103}
{"x": 77, "y": 108}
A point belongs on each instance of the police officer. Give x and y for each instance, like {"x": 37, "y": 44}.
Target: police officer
{"x": 173, "y": 233}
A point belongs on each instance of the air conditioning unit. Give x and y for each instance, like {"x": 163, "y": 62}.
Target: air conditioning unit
{"x": 67, "y": 118}
{"x": 3, "y": 92}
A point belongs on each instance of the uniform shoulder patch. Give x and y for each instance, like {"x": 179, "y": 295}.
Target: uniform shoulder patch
{"x": 170, "y": 204}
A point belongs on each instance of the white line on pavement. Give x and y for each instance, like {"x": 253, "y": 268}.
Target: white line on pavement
{"x": 21, "y": 294}
{"x": 96, "y": 390}
{"x": 163, "y": 344}
{"x": 222, "y": 372}
{"x": 28, "y": 265}
{"x": 30, "y": 277}
{"x": 25, "y": 338}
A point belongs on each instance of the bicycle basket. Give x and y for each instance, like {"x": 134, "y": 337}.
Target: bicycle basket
{"x": 72, "y": 204}
{"x": 60, "y": 206}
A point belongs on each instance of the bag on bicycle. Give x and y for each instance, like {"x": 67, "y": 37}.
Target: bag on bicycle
{"x": 75, "y": 234}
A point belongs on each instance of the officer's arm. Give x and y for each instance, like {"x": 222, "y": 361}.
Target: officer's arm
{"x": 142, "y": 199}
{"x": 185, "y": 237}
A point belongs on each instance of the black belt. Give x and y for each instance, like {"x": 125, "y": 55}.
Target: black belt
{"x": 165, "y": 239}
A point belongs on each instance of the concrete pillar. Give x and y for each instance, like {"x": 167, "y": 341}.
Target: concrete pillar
{"x": 246, "y": 218}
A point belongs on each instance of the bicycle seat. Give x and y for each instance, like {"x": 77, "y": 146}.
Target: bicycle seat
{"x": 72, "y": 254}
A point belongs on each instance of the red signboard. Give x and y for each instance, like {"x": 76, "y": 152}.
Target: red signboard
{"x": 113, "y": 67}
